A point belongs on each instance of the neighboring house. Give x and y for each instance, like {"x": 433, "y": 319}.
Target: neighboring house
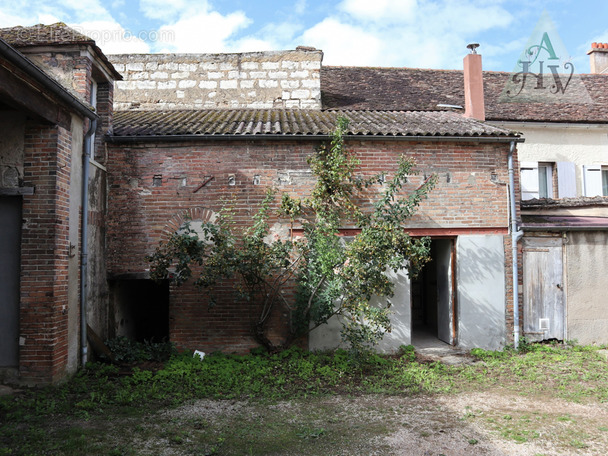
{"x": 564, "y": 179}
{"x": 51, "y": 80}
{"x": 191, "y": 131}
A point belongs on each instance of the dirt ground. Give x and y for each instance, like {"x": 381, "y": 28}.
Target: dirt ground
{"x": 484, "y": 423}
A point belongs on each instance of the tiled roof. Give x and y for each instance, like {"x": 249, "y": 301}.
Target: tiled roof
{"x": 258, "y": 122}
{"x": 53, "y": 34}
{"x": 419, "y": 89}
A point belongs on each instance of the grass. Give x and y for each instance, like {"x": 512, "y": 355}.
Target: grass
{"x": 282, "y": 403}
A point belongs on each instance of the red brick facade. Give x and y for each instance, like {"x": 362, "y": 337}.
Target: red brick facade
{"x": 152, "y": 185}
{"x": 45, "y": 249}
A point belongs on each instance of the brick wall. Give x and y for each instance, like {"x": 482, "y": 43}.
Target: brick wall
{"x": 471, "y": 195}
{"x": 277, "y": 79}
{"x": 44, "y": 258}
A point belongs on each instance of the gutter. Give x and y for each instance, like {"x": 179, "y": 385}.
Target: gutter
{"x": 516, "y": 235}
{"x": 25, "y": 64}
{"x": 231, "y": 137}
{"x": 84, "y": 249}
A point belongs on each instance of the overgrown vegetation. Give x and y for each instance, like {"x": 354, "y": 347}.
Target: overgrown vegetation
{"x": 334, "y": 277}
{"x": 107, "y": 410}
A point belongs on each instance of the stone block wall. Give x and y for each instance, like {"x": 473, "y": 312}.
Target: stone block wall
{"x": 274, "y": 79}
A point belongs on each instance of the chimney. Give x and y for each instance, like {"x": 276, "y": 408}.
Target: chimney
{"x": 598, "y": 58}
{"x": 473, "y": 85}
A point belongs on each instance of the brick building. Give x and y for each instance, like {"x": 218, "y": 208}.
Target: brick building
{"x": 51, "y": 80}
{"x": 180, "y": 145}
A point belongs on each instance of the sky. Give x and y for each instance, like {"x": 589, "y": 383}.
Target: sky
{"x": 386, "y": 33}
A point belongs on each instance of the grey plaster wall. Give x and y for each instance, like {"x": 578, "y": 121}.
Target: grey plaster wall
{"x": 327, "y": 337}
{"x": 12, "y": 129}
{"x": 274, "y": 79}
{"x": 481, "y": 301}
{"x": 587, "y": 281}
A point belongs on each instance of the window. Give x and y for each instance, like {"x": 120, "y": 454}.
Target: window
{"x": 545, "y": 180}
{"x": 595, "y": 179}
{"x": 536, "y": 180}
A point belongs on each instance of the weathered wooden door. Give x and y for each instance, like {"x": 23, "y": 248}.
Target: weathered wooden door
{"x": 10, "y": 242}
{"x": 543, "y": 316}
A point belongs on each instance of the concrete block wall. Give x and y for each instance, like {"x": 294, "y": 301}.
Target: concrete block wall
{"x": 471, "y": 194}
{"x": 274, "y": 79}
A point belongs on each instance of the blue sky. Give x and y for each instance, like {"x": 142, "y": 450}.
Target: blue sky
{"x": 411, "y": 33}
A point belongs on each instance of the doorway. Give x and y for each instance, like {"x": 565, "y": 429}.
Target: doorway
{"x": 10, "y": 260}
{"x": 433, "y": 297}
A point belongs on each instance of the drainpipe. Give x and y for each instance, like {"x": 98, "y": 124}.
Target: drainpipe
{"x": 516, "y": 235}
{"x": 84, "y": 249}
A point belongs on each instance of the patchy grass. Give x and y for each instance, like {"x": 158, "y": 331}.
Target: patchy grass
{"x": 298, "y": 402}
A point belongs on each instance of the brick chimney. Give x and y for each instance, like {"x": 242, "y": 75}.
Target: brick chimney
{"x": 598, "y": 56}
{"x": 473, "y": 85}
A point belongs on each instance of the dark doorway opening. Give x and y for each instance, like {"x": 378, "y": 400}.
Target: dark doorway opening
{"x": 433, "y": 297}
{"x": 141, "y": 309}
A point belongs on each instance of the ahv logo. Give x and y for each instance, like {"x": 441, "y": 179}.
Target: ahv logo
{"x": 552, "y": 62}
{"x": 544, "y": 72}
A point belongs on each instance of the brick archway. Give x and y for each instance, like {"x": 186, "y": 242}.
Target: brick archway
{"x": 193, "y": 214}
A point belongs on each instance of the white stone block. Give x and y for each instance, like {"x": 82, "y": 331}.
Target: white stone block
{"x": 180, "y": 94}
{"x": 212, "y": 94}
{"x": 232, "y": 84}
{"x": 312, "y": 65}
{"x": 140, "y": 75}
{"x": 277, "y": 74}
{"x": 125, "y": 85}
{"x": 180, "y": 75}
{"x": 250, "y": 65}
{"x": 135, "y": 66}
{"x": 208, "y": 84}
{"x": 310, "y": 104}
{"x": 227, "y": 66}
{"x": 292, "y": 104}
{"x": 257, "y": 75}
{"x": 302, "y": 94}
{"x": 290, "y": 84}
{"x": 286, "y": 95}
{"x": 146, "y": 84}
{"x": 166, "y": 85}
{"x": 268, "y": 83}
{"x": 215, "y": 75}
{"x": 159, "y": 75}
{"x": 311, "y": 83}
{"x": 234, "y": 74}
{"x": 187, "y": 84}
{"x": 152, "y": 66}
{"x": 270, "y": 65}
{"x": 252, "y": 94}
{"x": 209, "y": 66}
{"x": 187, "y": 67}
{"x": 299, "y": 74}
{"x": 289, "y": 64}
{"x": 119, "y": 67}
{"x": 171, "y": 66}
{"x": 246, "y": 84}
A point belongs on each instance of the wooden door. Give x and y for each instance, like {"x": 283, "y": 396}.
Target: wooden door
{"x": 543, "y": 316}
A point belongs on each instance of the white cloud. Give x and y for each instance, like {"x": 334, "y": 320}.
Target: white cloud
{"x": 164, "y": 10}
{"x": 112, "y": 38}
{"x": 380, "y": 10}
{"x": 203, "y": 32}
{"x": 424, "y": 33}
{"x": 343, "y": 43}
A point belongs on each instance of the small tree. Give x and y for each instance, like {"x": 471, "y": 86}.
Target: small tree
{"x": 334, "y": 277}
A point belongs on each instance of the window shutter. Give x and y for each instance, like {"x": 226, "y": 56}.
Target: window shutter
{"x": 529, "y": 180}
{"x": 566, "y": 180}
{"x": 592, "y": 178}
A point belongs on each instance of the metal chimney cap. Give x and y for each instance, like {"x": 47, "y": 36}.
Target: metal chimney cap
{"x": 473, "y": 47}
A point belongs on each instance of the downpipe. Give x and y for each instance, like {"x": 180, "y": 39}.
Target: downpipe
{"x": 84, "y": 249}
{"x": 516, "y": 235}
